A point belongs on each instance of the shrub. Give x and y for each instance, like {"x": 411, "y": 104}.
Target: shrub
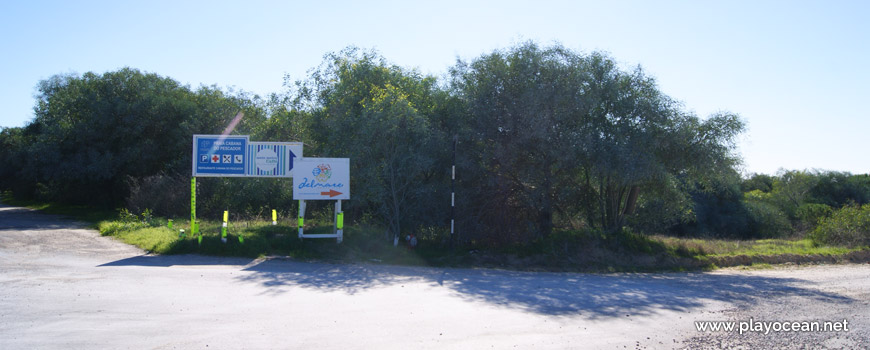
{"x": 848, "y": 226}
{"x": 165, "y": 195}
{"x": 766, "y": 220}
{"x": 811, "y": 213}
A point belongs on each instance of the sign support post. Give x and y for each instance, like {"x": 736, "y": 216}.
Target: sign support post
{"x": 339, "y": 221}
{"x": 301, "y": 218}
{"x": 193, "y": 229}
{"x": 224, "y": 226}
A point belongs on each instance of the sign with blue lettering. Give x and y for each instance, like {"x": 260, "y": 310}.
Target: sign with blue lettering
{"x": 272, "y": 159}
{"x": 219, "y": 155}
{"x": 321, "y": 178}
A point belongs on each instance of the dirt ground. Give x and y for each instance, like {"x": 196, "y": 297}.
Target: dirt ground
{"x": 62, "y": 286}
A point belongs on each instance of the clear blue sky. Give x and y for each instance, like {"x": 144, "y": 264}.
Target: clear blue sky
{"x": 797, "y": 71}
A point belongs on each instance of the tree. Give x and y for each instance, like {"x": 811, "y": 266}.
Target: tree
{"x": 93, "y": 132}
{"x": 13, "y": 143}
{"x": 561, "y": 132}
{"x": 791, "y": 188}
{"x": 518, "y": 104}
{"x": 377, "y": 115}
{"x": 761, "y": 182}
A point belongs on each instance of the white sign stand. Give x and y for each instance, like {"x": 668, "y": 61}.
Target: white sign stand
{"x": 322, "y": 179}
{"x": 338, "y": 224}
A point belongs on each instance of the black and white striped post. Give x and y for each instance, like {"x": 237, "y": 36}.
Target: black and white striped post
{"x": 453, "y": 194}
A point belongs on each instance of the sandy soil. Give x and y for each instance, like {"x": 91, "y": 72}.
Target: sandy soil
{"x": 63, "y": 286}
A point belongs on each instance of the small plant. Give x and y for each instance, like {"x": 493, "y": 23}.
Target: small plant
{"x": 147, "y": 217}
{"x": 125, "y": 215}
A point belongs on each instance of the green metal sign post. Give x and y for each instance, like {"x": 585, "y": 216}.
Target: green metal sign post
{"x": 193, "y": 228}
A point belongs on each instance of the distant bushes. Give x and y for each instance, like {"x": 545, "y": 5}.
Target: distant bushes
{"x": 766, "y": 220}
{"x": 848, "y": 226}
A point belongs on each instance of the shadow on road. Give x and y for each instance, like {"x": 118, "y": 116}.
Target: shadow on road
{"x": 178, "y": 260}
{"x": 589, "y": 295}
{"x": 28, "y": 219}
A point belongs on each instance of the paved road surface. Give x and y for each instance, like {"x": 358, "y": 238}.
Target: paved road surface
{"x": 64, "y": 287}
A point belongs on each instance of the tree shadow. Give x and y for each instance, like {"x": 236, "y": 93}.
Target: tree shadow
{"x": 179, "y": 260}
{"x": 28, "y": 219}
{"x": 558, "y": 294}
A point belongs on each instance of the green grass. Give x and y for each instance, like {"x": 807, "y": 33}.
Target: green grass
{"x": 152, "y": 239}
{"x": 259, "y": 239}
{"x": 587, "y": 250}
{"x": 562, "y": 251}
{"x": 761, "y": 247}
{"x": 756, "y": 266}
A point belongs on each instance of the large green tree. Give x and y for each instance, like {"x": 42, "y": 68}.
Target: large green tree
{"x": 559, "y": 132}
{"x": 93, "y": 132}
{"x": 378, "y": 115}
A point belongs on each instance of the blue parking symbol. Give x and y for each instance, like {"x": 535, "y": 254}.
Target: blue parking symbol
{"x": 203, "y": 158}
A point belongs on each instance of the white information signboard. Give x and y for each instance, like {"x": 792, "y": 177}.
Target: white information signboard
{"x": 321, "y": 179}
{"x": 272, "y": 159}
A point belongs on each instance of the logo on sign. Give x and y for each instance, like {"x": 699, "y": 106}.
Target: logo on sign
{"x": 267, "y": 160}
{"x": 322, "y": 172}
{"x": 239, "y": 159}
{"x": 227, "y": 158}
{"x": 215, "y": 158}
{"x": 203, "y": 158}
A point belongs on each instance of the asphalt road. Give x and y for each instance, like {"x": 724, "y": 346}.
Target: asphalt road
{"x": 64, "y": 287}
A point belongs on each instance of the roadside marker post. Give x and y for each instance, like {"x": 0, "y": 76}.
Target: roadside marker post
{"x": 339, "y": 222}
{"x": 169, "y": 224}
{"x": 193, "y": 228}
{"x": 301, "y": 218}
{"x": 274, "y": 217}
{"x": 224, "y": 227}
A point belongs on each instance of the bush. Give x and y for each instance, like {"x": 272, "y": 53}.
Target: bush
{"x": 811, "y": 213}
{"x": 766, "y": 220}
{"x": 848, "y": 226}
{"x": 164, "y": 195}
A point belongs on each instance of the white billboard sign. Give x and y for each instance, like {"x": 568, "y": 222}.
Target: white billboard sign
{"x": 321, "y": 179}
{"x": 272, "y": 159}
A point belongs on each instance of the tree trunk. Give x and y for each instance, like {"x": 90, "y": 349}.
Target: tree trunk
{"x": 631, "y": 201}
{"x": 546, "y": 212}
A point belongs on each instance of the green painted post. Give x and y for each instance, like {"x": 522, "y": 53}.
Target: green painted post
{"x": 193, "y": 227}
{"x": 169, "y": 224}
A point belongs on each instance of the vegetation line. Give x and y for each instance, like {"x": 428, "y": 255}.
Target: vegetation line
{"x": 564, "y": 159}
